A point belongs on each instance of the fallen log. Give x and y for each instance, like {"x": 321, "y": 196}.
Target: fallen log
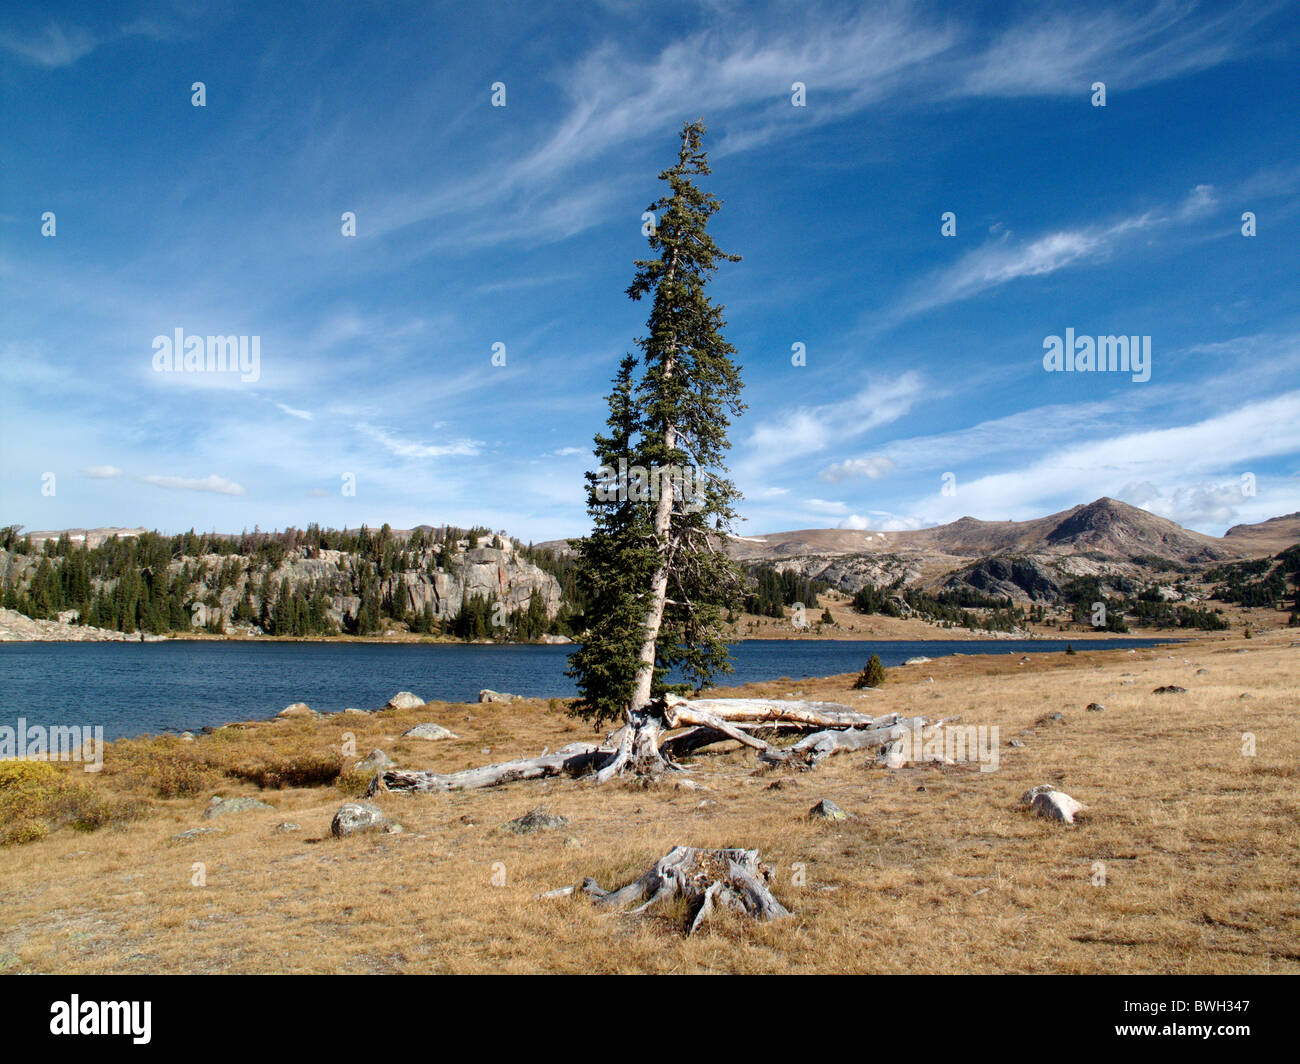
{"x": 643, "y": 749}
{"x": 681, "y": 743}
{"x": 576, "y": 759}
{"x": 707, "y": 879}
{"x": 812, "y": 750}
{"x": 764, "y": 710}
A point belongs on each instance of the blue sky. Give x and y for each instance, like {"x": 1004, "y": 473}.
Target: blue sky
{"x": 518, "y": 225}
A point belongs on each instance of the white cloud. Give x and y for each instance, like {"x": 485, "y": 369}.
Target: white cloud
{"x": 212, "y": 483}
{"x": 102, "y": 472}
{"x": 303, "y": 415}
{"x": 810, "y": 430}
{"x": 1193, "y": 504}
{"x": 873, "y": 468}
{"x": 1177, "y": 457}
{"x": 879, "y": 521}
{"x": 825, "y": 506}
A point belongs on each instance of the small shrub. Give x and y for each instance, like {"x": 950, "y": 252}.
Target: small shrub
{"x": 167, "y": 768}
{"x": 1069, "y": 649}
{"x": 305, "y": 770}
{"x": 872, "y": 676}
{"x": 354, "y": 784}
{"x": 37, "y": 798}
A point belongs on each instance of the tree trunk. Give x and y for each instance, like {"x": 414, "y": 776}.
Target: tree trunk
{"x": 654, "y": 614}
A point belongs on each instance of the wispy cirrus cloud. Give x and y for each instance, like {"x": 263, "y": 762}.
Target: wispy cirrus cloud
{"x": 809, "y": 430}
{"x": 1006, "y": 259}
{"x": 51, "y": 47}
{"x": 405, "y": 448}
{"x": 1056, "y": 52}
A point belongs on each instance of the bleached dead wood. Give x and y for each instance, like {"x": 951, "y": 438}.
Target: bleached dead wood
{"x": 644, "y": 749}
{"x": 576, "y": 759}
{"x": 766, "y": 710}
{"x": 706, "y": 879}
{"x": 813, "y": 749}
{"x": 679, "y": 744}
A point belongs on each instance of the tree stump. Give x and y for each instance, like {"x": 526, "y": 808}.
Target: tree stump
{"x": 706, "y": 879}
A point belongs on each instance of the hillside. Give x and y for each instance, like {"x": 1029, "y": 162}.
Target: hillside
{"x": 1106, "y": 526}
{"x": 296, "y": 583}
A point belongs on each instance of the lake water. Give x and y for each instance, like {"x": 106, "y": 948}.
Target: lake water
{"x": 137, "y": 688}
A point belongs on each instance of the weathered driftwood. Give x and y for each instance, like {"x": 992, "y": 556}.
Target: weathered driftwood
{"x": 706, "y": 879}
{"x": 643, "y": 747}
{"x": 813, "y": 749}
{"x": 764, "y": 710}
{"x": 575, "y": 759}
{"x": 681, "y": 743}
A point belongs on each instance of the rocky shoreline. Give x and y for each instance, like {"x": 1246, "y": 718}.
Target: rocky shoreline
{"x": 16, "y": 627}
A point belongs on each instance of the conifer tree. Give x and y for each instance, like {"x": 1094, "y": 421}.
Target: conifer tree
{"x": 655, "y": 563}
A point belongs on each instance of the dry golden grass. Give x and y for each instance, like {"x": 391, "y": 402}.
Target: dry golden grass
{"x": 1201, "y": 845}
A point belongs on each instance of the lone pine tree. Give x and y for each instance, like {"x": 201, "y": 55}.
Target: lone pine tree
{"x": 655, "y": 564}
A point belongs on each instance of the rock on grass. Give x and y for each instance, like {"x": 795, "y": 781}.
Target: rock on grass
{"x": 1048, "y": 802}
{"x": 429, "y": 730}
{"x": 539, "y": 819}
{"x": 225, "y": 806}
{"x": 827, "y": 810}
{"x": 354, "y": 818}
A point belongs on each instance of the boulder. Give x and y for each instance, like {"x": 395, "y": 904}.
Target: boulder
{"x": 539, "y": 819}
{"x": 356, "y": 817}
{"x": 287, "y": 828}
{"x": 428, "y": 730}
{"x": 404, "y": 700}
{"x": 1047, "y": 801}
{"x": 1056, "y": 805}
{"x": 487, "y": 695}
{"x": 225, "y": 806}
{"x": 827, "y": 810}
{"x": 1028, "y": 797}
{"x": 374, "y": 761}
{"x": 1170, "y": 689}
{"x": 1096, "y": 707}
{"x": 298, "y": 709}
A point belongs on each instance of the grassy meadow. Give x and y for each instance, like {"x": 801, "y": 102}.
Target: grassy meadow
{"x": 1187, "y": 860}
